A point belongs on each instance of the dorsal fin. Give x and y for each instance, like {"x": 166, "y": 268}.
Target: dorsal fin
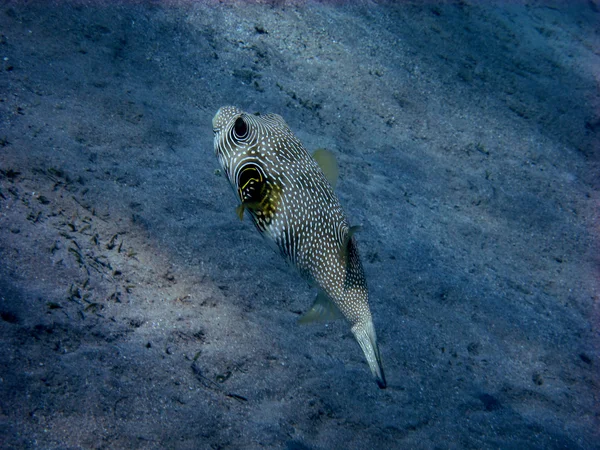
{"x": 345, "y": 251}
{"x": 322, "y": 310}
{"x": 328, "y": 165}
{"x": 351, "y": 232}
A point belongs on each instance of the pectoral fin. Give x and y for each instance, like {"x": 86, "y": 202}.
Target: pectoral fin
{"x": 240, "y": 211}
{"x": 246, "y": 205}
{"x": 328, "y": 165}
{"x": 322, "y": 310}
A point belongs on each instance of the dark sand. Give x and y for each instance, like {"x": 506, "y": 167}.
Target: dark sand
{"x": 139, "y": 312}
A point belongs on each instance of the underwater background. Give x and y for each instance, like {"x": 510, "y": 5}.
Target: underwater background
{"x": 139, "y": 312}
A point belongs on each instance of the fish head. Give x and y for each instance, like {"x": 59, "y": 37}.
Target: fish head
{"x": 246, "y": 147}
{"x": 231, "y": 135}
{"x": 236, "y": 142}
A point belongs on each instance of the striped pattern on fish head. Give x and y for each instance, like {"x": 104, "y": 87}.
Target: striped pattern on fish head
{"x": 241, "y": 150}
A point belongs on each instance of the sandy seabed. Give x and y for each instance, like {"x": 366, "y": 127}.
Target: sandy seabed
{"x": 139, "y": 312}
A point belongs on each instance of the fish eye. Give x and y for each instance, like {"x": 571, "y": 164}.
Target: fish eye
{"x": 240, "y": 128}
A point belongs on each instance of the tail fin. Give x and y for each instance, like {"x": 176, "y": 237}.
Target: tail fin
{"x": 367, "y": 339}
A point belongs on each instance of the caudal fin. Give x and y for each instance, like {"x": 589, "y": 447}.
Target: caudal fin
{"x": 367, "y": 339}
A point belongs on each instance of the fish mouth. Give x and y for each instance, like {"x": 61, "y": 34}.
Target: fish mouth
{"x": 367, "y": 339}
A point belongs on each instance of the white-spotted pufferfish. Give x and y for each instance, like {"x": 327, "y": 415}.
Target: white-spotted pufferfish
{"x": 289, "y": 195}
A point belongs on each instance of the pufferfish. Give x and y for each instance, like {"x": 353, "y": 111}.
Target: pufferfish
{"x": 289, "y": 195}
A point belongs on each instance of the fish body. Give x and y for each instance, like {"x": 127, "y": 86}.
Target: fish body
{"x": 293, "y": 205}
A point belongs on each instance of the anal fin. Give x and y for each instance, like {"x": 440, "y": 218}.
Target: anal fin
{"x": 322, "y": 310}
